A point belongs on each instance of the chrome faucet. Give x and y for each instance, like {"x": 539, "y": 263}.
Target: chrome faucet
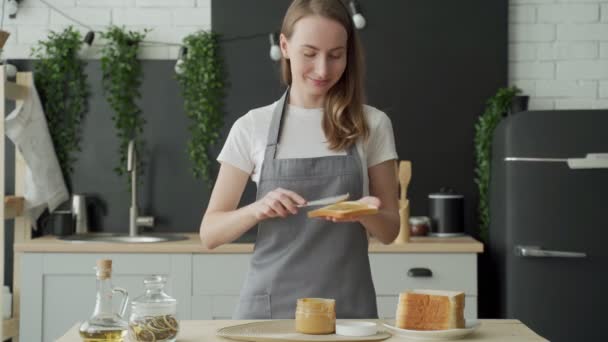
{"x": 134, "y": 219}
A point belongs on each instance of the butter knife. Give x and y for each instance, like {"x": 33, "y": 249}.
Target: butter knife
{"x": 326, "y": 201}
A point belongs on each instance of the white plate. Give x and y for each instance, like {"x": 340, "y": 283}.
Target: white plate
{"x": 436, "y": 335}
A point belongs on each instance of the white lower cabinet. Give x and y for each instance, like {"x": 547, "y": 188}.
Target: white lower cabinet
{"x": 58, "y": 289}
{"x": 214, "y": 307}
{"x": 394, "y": 273}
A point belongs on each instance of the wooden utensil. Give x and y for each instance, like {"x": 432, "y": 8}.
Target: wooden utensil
{"x": 404, "y": 227}
{"x": 405, "y": 175}
{"x": 397, "y": 176}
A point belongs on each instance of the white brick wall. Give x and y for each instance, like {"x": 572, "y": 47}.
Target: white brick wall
{"x": 558, "y": 52}
{"x": 169, "y": 20}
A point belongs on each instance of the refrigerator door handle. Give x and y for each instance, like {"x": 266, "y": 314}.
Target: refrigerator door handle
{"x": 538, "y": 252}
{"x": 591, "y": 161}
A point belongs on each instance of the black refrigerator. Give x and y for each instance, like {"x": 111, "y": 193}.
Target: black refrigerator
{"x": 548, "y": 237}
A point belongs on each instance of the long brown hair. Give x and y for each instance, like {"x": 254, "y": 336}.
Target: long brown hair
{"x": 343, "y": 120}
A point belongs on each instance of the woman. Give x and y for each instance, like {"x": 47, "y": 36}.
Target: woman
{"x": 317, "y": 141}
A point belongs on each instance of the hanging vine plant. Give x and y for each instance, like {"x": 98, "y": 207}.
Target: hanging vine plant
{"x": 201, "y": 77}
{"x": 496, "y": 107}
{"x": 62, "y": 85}
{"x": 122, "y": 74}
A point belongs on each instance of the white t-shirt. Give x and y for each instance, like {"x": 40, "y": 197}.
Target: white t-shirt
{"x": 302, "y": 136}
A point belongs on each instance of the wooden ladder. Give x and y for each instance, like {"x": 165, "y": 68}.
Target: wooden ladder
{"x": 13, "y": 205}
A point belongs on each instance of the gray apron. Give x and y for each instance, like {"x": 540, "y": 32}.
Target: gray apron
{"x": 297, "y": 257}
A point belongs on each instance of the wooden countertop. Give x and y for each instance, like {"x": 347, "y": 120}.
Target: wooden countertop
{"x": 489, "y": 331}
{"x": 50, "y": 244}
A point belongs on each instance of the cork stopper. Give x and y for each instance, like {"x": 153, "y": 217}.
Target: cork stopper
{"x": 104, "y": 268}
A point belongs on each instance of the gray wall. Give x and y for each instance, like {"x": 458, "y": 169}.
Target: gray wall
{"x": 431, "y": 65}
{"x": 167, "y": 190}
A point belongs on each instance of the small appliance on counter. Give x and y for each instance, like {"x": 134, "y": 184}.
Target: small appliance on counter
{"x": 446, "y": 211}
{"x": 67, "y": 221}
{"x": 79, "y": 214}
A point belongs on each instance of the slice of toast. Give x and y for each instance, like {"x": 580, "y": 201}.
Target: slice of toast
{"x": 344, "y": 209}
{"x": 430, "y": 310}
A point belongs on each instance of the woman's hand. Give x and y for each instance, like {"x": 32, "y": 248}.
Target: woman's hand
{"x": 369, "y": 200}
{"x": 277, "y": 203}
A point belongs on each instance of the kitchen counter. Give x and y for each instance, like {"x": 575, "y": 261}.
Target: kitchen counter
{"x": 51, "y": 244}
{"x": 490, "y": 330}
{"x": 208, "y": 283}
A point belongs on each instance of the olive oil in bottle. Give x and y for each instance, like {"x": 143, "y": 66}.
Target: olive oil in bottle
{"x": 105, "y": 325}
{"x": 103, "y": 336}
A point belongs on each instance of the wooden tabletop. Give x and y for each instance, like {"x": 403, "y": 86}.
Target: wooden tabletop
{"x": 490, "y": 330}
{"x": 51, "y": 244}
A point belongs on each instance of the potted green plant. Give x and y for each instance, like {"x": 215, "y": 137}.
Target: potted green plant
{"x": 62, "y": 84}
{"x": 496, "y": 107}
{"x": 201, "y": 77}
{"x": 122, "y": 74}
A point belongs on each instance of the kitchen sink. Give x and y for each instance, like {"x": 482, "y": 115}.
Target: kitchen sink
{"x": 122, "y": 238}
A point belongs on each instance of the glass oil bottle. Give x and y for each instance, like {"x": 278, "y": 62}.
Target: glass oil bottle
{"x": 105, "y": 325}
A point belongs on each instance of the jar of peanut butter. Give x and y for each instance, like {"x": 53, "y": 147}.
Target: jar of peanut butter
{"x": 316, "y": 316}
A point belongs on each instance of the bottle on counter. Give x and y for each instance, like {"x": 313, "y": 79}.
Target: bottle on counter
{"x": 153, "y": 314}
{"x": 420, "y": 225}
{"x": 105, "y": 325}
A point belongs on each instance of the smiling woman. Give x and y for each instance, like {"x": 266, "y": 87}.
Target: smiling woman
{"x": 318, "y": 140}
{"x": 322, "y": 54}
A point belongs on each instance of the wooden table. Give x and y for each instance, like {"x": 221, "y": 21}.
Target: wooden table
{"x": 498, "y": 330}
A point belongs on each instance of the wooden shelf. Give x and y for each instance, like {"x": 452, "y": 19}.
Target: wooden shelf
{"x": 13, "y": 206}
{"x": 10, "y": 328}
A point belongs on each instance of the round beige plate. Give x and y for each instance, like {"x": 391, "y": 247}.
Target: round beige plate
{"x": 285, "y": 330}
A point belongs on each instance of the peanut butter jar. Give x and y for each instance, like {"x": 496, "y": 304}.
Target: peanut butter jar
{"x": 316, "y": 316}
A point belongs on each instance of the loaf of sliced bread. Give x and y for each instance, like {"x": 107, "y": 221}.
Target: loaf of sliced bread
{"x": 430, "y": 310}
{"x": 344, "y": 209}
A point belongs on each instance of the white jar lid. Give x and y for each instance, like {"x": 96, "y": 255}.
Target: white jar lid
{"x": 356, "y": 328}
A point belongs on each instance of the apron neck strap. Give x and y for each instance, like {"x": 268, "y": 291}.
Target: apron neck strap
{"x": 275, "y": 125}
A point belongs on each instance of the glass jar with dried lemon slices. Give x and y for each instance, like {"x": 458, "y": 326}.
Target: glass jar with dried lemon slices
{"x": 153, "y": 314}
